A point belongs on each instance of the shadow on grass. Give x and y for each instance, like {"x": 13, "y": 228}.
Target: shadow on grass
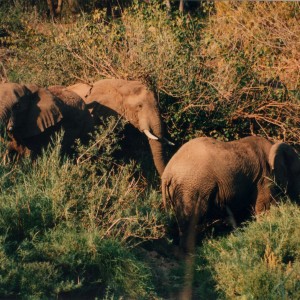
{"x": 168, "y": 271}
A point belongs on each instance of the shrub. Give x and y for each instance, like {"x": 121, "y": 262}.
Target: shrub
{"x": 228, "y": 75}
{"x": 252, "y": 53}
{"x": 261, "y": 259}
{"x": 75, "y": 224}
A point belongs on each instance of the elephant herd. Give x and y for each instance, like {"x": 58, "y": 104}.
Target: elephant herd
{"x": 31, "y": 114}
{"x": 205, "y": 180}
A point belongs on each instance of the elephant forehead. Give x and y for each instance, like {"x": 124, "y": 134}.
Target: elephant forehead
{"x": 144, "y": 99}
{"x": 123, "y": 87}
{"x": 133, "y": 88}
{"x": 120, "y": 84}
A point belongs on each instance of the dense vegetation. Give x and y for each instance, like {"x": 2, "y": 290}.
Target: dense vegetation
{"x": 96, "y": 227}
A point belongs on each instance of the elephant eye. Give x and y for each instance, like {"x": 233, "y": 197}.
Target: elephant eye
{"x": 17, "y": 106}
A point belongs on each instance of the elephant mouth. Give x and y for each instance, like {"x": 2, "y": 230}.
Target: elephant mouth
{"x": 150, "y": 135}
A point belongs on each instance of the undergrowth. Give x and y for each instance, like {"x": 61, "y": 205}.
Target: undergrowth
{"x": 75, "y": 225}
{"x": 259, "y": 261}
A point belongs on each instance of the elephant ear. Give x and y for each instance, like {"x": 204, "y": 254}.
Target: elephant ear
{"x": 284, "y": 161}
{"x": 44, "y": 112}
{"x": 10, "y": 93}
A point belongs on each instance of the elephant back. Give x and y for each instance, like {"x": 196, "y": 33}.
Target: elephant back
{"x": 75, "y": 111}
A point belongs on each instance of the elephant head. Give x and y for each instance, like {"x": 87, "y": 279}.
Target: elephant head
{"x": 285, "y": 164}
{"x": 134, "y": 102}
{"x": 10, "y": 95}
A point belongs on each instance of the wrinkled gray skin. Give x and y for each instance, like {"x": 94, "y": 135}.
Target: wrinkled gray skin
{"x": 134, "y": 102}
{"x": 32, "y": 114}
{"x": 207, "y": 180}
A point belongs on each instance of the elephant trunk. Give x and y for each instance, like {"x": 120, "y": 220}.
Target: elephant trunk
{"x": 157, "y": 148}
{"x": 158, "y": 155}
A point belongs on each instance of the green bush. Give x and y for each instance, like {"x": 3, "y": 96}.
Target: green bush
{"x": 261, "y": 260}
{"x": 75, "y": 225}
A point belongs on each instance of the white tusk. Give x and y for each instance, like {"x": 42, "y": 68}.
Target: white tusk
{"x": 168, "y": 142}
{"x": 150, "y": 135}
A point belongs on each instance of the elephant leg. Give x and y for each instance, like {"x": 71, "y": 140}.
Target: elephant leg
{"x": 51, "y": 9}
{"x": 58, "y": 8}
{"x": 67, "y": 142}
{"x": 190, "y": 207}
{"x": 188, "y": 242}
{"x": 263, "y": 200}
{"x": 181, "y": 6}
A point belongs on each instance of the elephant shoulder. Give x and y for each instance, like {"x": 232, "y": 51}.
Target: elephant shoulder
{"x": 203, "y": 144}
{"x": 255, "y": 141}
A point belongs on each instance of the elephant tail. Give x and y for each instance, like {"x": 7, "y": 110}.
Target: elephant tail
{"x": 163, "y": 191}
{"x": 166, "y": 193}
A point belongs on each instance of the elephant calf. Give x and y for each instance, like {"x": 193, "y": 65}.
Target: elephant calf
{"x": 208, "y": 179}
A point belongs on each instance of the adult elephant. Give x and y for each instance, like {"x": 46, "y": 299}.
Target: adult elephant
{"x": 208, "y": 179}
{"x": 32, "y": 114}
{"x": 134, "y": 102}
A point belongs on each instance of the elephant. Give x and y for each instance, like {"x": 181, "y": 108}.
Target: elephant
{"x": 207, "y": 180}
{"x": 32, "y": 114}
{"x": 133, "y": 101}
